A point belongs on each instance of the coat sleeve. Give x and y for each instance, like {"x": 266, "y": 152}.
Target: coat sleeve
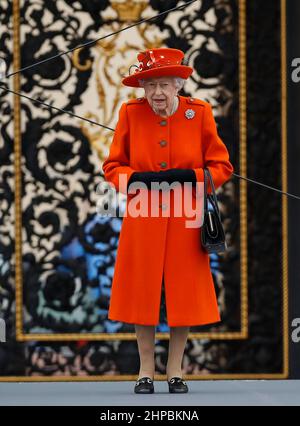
{"x": 116, "y": 167}
{"x": 216, "y": 156}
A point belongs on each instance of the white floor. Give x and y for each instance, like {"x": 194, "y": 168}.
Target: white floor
{"x": 217, "y": 392}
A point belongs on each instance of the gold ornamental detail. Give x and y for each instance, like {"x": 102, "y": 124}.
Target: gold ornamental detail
{"x": 129, "y": 11}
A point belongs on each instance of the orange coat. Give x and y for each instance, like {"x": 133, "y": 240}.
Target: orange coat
{"x": 152, "y": 246}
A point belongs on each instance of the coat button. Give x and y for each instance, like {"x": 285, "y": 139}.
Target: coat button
{"x": 163, "y": 123}
{"x": 163, "y": 143}
{"x": 163, "y": 164}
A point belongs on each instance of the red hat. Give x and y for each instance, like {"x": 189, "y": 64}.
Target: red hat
{"x": 160, "y": 62}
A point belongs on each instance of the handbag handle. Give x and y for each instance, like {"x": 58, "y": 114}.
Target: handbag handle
{"x": 212, "y": 197}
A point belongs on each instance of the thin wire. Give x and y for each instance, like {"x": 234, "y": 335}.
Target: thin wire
{"x": 267, "y": 186}
{"x": 53, "y": 107}
{"x": 109, "y": 128}
{"x": 100, "y": 38}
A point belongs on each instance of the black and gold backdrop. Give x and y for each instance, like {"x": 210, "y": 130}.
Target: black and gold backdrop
{"x": 57, "y": 254}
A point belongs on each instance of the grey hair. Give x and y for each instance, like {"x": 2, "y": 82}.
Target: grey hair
{"x": 179, "y": 82}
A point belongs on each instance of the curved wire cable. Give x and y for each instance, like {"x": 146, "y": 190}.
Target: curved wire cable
{"x": 109, "y": 128}
{"x": 100, "y": 38}
{"x": 53, "y": 107}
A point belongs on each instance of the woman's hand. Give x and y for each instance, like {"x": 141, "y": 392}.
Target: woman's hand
{"x": 169, "y": 176}
{"x": 180, "y": 175}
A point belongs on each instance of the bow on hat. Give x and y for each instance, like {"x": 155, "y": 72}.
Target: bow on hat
{"x": 158, "y": 62}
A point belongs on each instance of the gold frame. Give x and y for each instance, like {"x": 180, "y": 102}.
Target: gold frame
{"x": 243, "y": 334}
{"x": 226, "y": 335}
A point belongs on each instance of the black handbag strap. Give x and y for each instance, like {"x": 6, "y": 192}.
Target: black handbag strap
{"x": 212, "y": 197}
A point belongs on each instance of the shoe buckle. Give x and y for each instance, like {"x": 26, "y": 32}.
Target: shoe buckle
{"x": 140, "y": 381}
{"x": 178, "y": 380}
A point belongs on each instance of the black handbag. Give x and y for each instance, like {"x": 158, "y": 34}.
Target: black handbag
{"x": 212, "y": 232}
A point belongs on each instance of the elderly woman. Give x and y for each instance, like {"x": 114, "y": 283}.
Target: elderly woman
{"x": 167, "y": 139}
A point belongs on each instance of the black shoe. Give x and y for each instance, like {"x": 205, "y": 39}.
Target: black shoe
{"x": 144, "y": 385}
{"x": 177, "y": 385}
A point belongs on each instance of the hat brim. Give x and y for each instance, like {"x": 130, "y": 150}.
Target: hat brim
{"x": 182, "y": 71}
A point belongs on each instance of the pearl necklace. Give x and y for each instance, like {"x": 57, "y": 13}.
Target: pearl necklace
{"x": 175, "y": 105}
